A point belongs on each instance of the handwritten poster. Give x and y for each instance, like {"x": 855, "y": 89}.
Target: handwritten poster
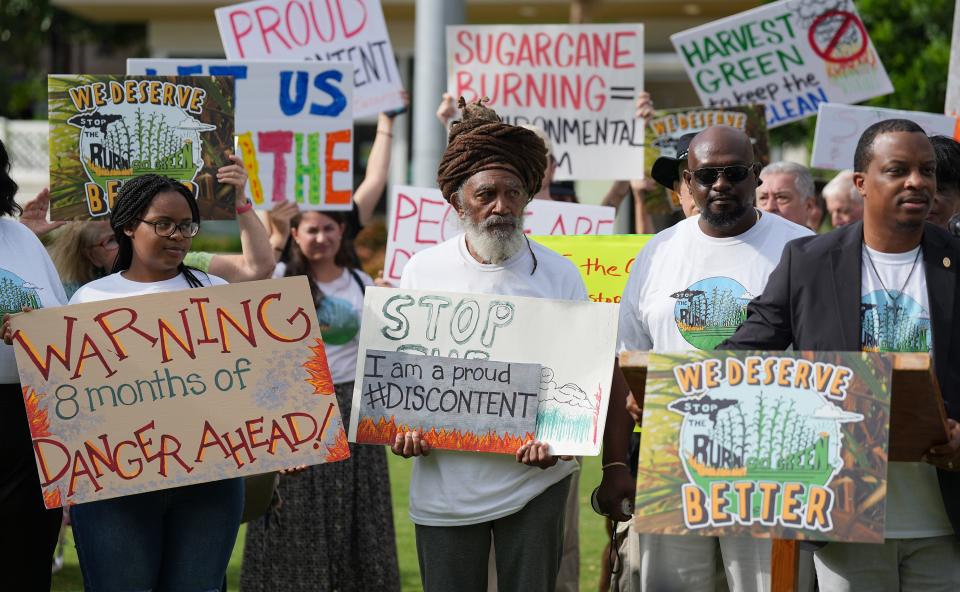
{"x": 604, "y": 262}
{"x": 579, "y": 83}
{"x": 668, "y": 126}
{"x": 457, "y": 403}
{"x": 574, "y": 384}
{"x": 789, "y": 56}
{"x": 419, "y": 218}
{"x": 349, "y": 31}
{"x": 839, "y": 128}
{"x": 294, "y": 126}
{"x": 789, "y": 445}
{"x": 158, "y": 391}
{"x": 105, "y": 130}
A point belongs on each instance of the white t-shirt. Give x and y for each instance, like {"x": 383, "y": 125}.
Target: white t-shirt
{"x": 339, "y": 316}
{"x": 117, "y": 286}
{"x": 27, "y": 278}
{"x": 460, "y": 488}
{"x": 914, "y": 503}
{"x": 690, "y": 291}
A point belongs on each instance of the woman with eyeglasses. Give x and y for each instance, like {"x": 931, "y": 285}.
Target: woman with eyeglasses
{"x": 172, "y": 539}
{"x": 84, "y": 251}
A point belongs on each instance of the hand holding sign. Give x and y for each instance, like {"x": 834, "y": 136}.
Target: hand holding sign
{"x": 947, "y": 456}
{"x": 410, "y": 444}
{"x": 537, "y": 454}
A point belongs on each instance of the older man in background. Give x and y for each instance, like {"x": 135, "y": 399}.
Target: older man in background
{"x": 844, "y": 201}
{"x": 787, "y": 189}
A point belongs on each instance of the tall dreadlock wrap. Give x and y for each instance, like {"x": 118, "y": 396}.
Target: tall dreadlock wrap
{"x": 481, "y": 142}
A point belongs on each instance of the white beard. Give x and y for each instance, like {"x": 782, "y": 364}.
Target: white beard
{"x": 494, "y": 245}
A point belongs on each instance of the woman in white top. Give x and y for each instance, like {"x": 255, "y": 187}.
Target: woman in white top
{"x": 172, "y": 539}
{"x": 334, "y": 518}
{"x": 28, "y": 531}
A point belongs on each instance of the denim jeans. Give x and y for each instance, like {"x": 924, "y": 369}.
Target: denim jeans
{"x": 173, "y": 539}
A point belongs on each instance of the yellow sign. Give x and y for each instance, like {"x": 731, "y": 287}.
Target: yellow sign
{"x": 603, "y": 261}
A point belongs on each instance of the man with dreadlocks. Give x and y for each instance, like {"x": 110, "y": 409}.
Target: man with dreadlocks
{"x": 460, "y": 500}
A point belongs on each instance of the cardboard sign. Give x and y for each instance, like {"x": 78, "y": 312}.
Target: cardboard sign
{"x": 419, "y": 218}
{"x": 789, "y": 445}
{"x": 294, "y": 127}
{"x": 150, "y": 392}
{"x": 790, "y": 56}
{"x": 577, "y": 361}
{"x": 105, "y": 130}
{"x": 331, "y": 31}
{"x": 604, "y": 262}
{"x": 460, "y": 404}
{"x": 578, "y": 83}
{"x": 839, "y": 128}
{"x": 668, "y": 126}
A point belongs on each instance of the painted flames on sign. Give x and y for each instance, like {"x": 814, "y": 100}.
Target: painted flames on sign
{"x": 384, "y": 432}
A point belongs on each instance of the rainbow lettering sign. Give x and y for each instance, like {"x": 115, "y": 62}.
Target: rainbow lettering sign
{"x": 789, "y": 445}
{"x": 294, "y": 126}
{"x": 163, "y": 390}
{"x": 354, "y": 33}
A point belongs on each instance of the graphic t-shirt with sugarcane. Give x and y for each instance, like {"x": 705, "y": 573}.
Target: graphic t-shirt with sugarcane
{"x": 894, "y": 317}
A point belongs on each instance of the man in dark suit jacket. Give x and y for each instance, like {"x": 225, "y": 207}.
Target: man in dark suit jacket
{"x": 888, "y": 283}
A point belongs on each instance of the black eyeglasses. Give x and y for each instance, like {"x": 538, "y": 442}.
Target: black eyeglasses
{"x": 167, "y": 228}
{"x": 734, "y": 173}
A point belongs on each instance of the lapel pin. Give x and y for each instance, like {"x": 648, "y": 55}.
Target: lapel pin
{"x": 946, "y": 262}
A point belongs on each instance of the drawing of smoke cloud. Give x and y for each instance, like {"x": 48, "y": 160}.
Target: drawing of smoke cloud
{"x": 568, "y": 394}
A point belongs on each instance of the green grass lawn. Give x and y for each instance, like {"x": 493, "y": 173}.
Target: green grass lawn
{"x": 592, "y": 536}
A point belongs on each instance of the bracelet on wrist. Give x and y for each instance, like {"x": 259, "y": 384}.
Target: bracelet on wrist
{"x": 246, "y": 207}
{"x": 388, "y": 134}
{"x": 615, "y": 464}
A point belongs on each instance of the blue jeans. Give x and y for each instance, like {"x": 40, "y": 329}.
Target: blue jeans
{"x": 173, "y": 539}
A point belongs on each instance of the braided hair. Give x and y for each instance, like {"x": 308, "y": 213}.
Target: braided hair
{"x": 133, "y": 199}
{"x": 8, "y": 187}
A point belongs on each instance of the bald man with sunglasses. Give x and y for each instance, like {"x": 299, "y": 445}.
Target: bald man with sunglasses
{"x": 688, "y": 290}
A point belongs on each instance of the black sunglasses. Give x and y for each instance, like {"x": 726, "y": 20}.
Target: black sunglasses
{"x": 734, "y": 173}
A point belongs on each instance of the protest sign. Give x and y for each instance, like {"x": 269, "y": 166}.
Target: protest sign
{"x": 105, "y": 130}
{"x": 579, "y": 83}
{"x": 604, "y": 262}
{"x": 667, "y": 126}
{"x": 574, "y": 384}
{"x": 419, "y": 218}
{"x": 158, "y": 391}
{"x": 333, "y": 31}
{"x": 789, "y": 445}
{"x": 952, "y": 102}
{"x": 789, "y": 56}
{"x": 293, "y": 124}
{"x": 459, "y": 404}
{"x": 839, "y": 128}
